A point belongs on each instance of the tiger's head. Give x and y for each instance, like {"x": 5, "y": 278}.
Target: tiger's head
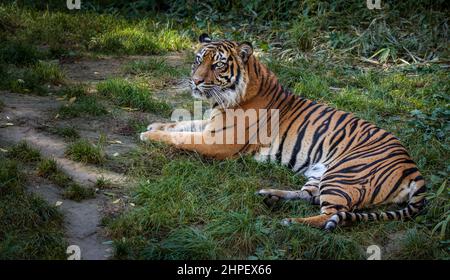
{"x": 219, "y": 71}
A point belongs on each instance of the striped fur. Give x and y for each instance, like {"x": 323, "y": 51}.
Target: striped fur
{"x": 350, "y": 163}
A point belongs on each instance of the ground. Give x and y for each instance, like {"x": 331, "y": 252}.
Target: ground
{"x": 74, "y": 100}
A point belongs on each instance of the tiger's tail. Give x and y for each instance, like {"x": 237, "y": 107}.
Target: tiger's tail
{"x": 416, "y": 203}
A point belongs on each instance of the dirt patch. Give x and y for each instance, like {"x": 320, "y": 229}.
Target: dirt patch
{"x": 82, "y": 220}
{"x": 22, "y": 115}
{"x": 21, "y": 119}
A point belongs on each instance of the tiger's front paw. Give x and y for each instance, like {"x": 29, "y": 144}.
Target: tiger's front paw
{"x": 143, "y": 136}
{"x": 150, "y": 135}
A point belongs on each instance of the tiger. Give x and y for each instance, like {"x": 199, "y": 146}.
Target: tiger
{"x": 350, "y": 165}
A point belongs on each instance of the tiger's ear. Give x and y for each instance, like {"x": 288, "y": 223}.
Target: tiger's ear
{"x": 204, "y": 38}
{"x": 245, "y": 51}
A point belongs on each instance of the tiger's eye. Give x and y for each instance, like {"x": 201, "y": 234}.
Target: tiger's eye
{"x": 219, "y": 65}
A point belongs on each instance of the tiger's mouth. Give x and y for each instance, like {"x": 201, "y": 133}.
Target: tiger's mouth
{"x": 199, "y": 93}
{"x": 204, "y": 91}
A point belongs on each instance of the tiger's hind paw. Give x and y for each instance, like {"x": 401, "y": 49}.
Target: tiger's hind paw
{"x": 268, "y": 193}
{"x": 286, "y": 222}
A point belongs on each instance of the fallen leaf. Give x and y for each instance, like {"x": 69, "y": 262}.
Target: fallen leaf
{"x": 71, "y": 100}
{"x": 6, "y": 124}
{"x": 129, "y": 108}
{"x": 58, "y": 203}
{"x": 116, "y": 201}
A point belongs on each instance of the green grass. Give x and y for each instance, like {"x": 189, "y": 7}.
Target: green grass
{"x": 156, "y": 67}
{"x": 412, "y": 246}
{"x": 83, "y": 151}
{"x": 65, "y": 33}
{"x": 48, "y": 168}
{"x": 78, "y": 193}
{"x": 144, "y": 38}
{"x": 157, "y": 73}
{"x": 192, "y": 208}
{"x": 29, "y": 227}
{"x": 80, "y": 103}
{"x": 128, "y": 94}
{"x": 18, "y": 53}
{"x": 76, "y": 90}
{"x": 34, "y": 78}
{"x": 67, "y": 132}
{"x": 23, "y": 152}
{"x": 48, "y": 72}
{"x": 82, "y": 107}
{"x": 196, "y": 210}
{"x": 103, "y": 183}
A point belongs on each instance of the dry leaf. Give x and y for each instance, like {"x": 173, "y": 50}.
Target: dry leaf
{"x": 129, "y": 108}
{"x": 6, "y": 124}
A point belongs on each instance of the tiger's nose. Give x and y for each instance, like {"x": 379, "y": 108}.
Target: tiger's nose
{"x": 198, "y": 81}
